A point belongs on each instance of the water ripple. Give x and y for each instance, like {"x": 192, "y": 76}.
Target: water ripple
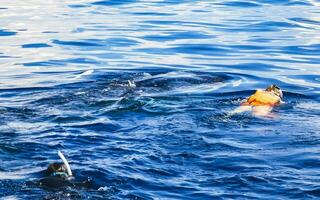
{"x": 138, "y": 96}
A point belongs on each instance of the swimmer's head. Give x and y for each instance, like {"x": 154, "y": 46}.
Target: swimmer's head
{"x": 275, "y": 90}
{"x": 57, "y": 169}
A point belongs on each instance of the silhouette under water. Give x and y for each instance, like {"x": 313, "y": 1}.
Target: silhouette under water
{"x": 137, "y": 94}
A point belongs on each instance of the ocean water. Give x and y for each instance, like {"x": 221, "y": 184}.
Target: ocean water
{"x": 65, "y": 67}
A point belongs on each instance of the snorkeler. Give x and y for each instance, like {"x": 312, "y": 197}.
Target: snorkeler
{"x": 57, "y": 174}
{"x": 271, "y": 96}
{"x": 262, "y": 102}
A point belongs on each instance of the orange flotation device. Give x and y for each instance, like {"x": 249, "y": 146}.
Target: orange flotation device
{"x": 262, "y": 98}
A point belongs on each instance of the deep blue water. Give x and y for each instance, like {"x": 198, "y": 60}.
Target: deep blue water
{"x": 64, "y": 71}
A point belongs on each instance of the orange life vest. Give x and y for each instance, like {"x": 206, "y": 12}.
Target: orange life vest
{"x": 262, "y": 98}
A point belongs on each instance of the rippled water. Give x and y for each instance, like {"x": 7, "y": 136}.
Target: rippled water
{"x": 65, "y": 67}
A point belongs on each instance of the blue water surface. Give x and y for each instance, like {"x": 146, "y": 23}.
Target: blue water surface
{"x": 65, "y": 67}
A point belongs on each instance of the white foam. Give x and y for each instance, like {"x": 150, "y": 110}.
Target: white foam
{"x": 132, "y": 84}
{"x": 308, "y": 106}
{"x": 86, "y": 73}
{"x": 11, "y": 176}
{"x": 19, "y": 174}
{"x": 240, "y": 109}
{"x": 9, "y": 198}
{"x": 105, "y": 188}
{"x": 262, "y": 111}
{"x": 314, "y": 2}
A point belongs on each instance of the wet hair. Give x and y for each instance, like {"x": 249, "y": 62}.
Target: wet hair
{"x": 275, "y": 89}
{"x": 56, "y": 169}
